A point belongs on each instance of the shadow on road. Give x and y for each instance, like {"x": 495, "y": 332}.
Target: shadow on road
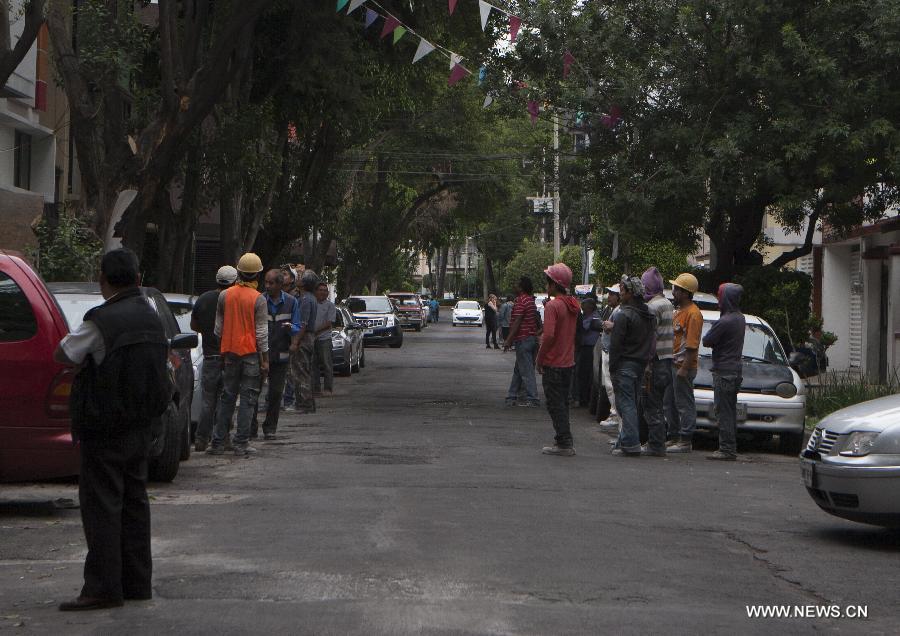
{"x": 869, "y": 538}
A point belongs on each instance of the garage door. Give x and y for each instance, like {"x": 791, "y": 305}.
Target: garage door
{"x": 856, "y": 326}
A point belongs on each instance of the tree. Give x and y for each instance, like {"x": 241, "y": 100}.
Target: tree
{"x": 32, "y": 14}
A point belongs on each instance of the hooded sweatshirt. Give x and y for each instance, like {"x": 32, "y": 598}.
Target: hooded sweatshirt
{"x": 558, "y": 342}
{"x": 662, "y": 308}
{"x": 726, "y": 336}
{"x": 634, "y": 334}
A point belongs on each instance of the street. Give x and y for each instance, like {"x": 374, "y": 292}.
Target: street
{"x": 414, "y": 502}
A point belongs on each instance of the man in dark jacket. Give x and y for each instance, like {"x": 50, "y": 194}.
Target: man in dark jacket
{"x": 726, "y": 339}
{"x": 127, "y": 334}
{"x": 630, "y": 348}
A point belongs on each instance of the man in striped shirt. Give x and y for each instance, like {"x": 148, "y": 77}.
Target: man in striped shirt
{"x": 523, "y": 332}
{"x": 660, "y": 363}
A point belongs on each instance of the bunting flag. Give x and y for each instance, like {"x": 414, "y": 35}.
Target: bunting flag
{"x": 488, "y": 100}
{"x": 390, "y": 23}
{"x": 533, "y": 109}
{"x": 613, "y": 118}
{"x": 458, "y": 72}
{"x": 371, "y": 16}
{"x": 452, "y": 6}
{"x": 485, "y": 9}
{"x": 354, "y": 5}
{"x": 454, "y": 60}
{"x": 568, "y": 60}
{"x": 514, "y": 23}
{"x": 399, "y": 32}
{"x": 341, "y": 4}
{"x": 422, "y": 50}
{"x": 482, "y": 74}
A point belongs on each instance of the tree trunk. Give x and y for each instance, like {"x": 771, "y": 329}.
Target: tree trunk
{"x": 442, "y": 270}
{"x": 490, "y": 283}
{"x": 734, "y": 233}
{"x": 230, "y": 225}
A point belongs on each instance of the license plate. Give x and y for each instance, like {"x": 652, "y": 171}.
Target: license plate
{"x": 809, "y": 474}
{"x": 741, "y": 412}
{"x": 368, "y": 332}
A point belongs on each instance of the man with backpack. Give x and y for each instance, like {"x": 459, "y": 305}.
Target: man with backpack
{"x": 121, "y": 387}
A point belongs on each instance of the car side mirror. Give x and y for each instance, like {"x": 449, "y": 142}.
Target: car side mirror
{"x": 184, "y": 341}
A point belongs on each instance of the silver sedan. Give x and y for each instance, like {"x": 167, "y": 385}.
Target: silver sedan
{"x": 851, "y": 465}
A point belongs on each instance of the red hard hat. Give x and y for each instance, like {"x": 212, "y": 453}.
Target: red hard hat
{"x": 560, "y": 274}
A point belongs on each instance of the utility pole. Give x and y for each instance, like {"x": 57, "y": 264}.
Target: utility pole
{"x": 556, "y": 186}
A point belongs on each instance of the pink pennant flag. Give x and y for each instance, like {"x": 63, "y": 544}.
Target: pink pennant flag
{"x": 458, "y": 72}
{"x": 568, "y": 60}
{"x": 390, "y": 23}
{"x": 533, "y": 110}
{"x": 613, "y": 118}
{"x": 452, "y": 6}
{"x": 514, "y": 23}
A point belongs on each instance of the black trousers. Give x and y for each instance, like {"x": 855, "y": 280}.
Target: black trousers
{"x": 115, "y": 512}
{"x": 557, "y": 381}
{"x": 277, "y": 377}
{"x": 490, "y": 331}
{"x": 585, "y": 373}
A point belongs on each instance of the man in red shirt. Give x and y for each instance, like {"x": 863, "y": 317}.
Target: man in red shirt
{"x": 556, "y": 357}
{"x": 523, "y": 331}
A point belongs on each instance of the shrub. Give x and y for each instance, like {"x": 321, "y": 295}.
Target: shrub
{"x": 68, "y": 251}
{"x": 532, "y": 259}
{"x": 840, "y": 390}
{"x": 667, "y": 257}
{"x": 782, "y": 298}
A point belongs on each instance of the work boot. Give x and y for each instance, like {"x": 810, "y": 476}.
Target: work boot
{"x": 646, "y": 451}
{"x": 558, "y": 450}
{"x": 215, "y": 450}
{"x": 680, "y": 446}
{"x": 621, "y": 452}
{"x": 244, "y": 450}
{"x": 200, "y": 444}
{"x": 722, "y": 457}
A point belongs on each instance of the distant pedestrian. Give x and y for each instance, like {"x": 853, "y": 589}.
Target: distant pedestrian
{"x": 613, "y": 423}
{"x": 556, "y": 357}
{"x": 589, "y": 331}
{"x": 122, "y": 386}
{"x": 242, "y": 323}
{"x": 203, "y": 321}
{"x": 490, "y": 321}
{"x": 302, "y": 360}
{"x": 523, "y": 332}
{"x": 284, "y": 339}
{"x": 726, "y": 339}
{"x": 687, "y": 328}
{"x": 435, "y": 310}
{"x": 503, "y": 317}
{"x": 323, "y": 361}
{"x": 631, "y": 344}
{"x": 660, "y": 363}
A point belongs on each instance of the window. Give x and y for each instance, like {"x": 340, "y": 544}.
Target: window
{"x": 22, "y": 161}
{"x": 17, "y": 321}
{"x": 760, "y": 345}
{"x": 372, "y": 304}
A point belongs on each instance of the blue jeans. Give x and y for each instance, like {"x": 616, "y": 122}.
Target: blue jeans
{"x": 654, "y": 405}
{"x": 725, "y": 391}
{"x": 523, "y": 373}
{"x": 627, "y": 381}
{"x": 210, "y": 389}
{"x": 683, "y": 392}
{"x": 240, "y": 376}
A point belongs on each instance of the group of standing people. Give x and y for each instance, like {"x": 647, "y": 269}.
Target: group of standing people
{"x": 645, "y": 351}
{"x": 251, "y": 341}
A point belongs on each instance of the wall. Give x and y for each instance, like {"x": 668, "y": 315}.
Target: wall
{"x": 835, "y": 295}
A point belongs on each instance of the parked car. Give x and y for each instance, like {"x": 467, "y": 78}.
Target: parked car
{"x": 409, "y": 309}
{"x": 701, "y": 299}
{"x": 348, "y": 350}
{"x": 539, "y": 301}
{"x": 173, "y": 444}
{"x": 378, "y": 318}
{"x": 182, "y": 305}
{"x": 851, "y": 465}
{"x": 467, "y": 312}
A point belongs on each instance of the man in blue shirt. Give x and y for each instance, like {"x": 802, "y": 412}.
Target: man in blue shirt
{"x": 284, "y": 340}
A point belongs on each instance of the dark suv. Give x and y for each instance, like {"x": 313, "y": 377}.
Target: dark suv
{"x": 378, "y": 318}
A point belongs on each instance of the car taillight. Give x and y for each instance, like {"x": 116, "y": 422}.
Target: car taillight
{"x": 58, "y": 395}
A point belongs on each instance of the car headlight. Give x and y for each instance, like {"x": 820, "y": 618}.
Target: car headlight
{"x": 786, "y": 390}
{"x": 389, "y": 321}
{"x": 859, "y": 444}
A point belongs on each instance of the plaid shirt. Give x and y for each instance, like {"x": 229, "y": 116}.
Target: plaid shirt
{"x": 526, "y": 308}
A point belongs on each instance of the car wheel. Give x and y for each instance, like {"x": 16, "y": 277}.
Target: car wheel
{"x": 185, "y": 417}
{"x": 790, "y": 443}
{"x": 418, "y": 327}
{"x": 344, "y": 370}
{"x": 354, "y": 368}
{"x": 362, "y": 359}
{"x": 164, "y": 466}
{"x": 397, "y": 343}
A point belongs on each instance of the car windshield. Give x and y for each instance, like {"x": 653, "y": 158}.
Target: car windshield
{"x": 760, "y": 345}
{"x": 468, "y": 304}
{"x": 372, "y": 304}
{"x": 74, "y": 307}
{"x": 407, "y": 302}
{"x": 182, "y": 313}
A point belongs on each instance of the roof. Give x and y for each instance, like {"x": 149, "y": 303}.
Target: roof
{"x": 74, "y": 288}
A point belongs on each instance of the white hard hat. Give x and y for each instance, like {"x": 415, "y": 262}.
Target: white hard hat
{"x": 226, "y": 275}
{"x": 615, "y": 289}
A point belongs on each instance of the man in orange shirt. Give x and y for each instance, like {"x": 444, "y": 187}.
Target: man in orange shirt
{"x": 556, "y": 356}
{"x": 242, "y": 322}
{"x": 688, "y": 327}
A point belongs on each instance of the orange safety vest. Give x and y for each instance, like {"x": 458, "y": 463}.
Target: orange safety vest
{"x": 239, "y": 323}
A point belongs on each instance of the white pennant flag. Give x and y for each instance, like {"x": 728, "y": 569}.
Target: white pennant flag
{"x": 424, "y": 49}
{"x": 485, "y": 9}
{"x": 488, "y": 100}
{"x": 354, "y": 5}
{"x": 454, "y": 60}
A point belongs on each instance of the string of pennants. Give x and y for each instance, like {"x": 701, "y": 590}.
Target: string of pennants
{"x": 396, "y": 29}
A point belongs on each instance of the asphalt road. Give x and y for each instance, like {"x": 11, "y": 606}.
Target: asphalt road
{"x": 415, "y": 502}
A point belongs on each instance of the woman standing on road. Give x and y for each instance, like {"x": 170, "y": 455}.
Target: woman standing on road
{"x": 490, "y": 322}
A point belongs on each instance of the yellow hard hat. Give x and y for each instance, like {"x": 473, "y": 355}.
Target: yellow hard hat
{"x": 250, "y": 263}
{"x": 687, "y": 282}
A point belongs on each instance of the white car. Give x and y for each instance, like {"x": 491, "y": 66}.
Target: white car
{"x": 851, "y": 465}
{"x": 182, "y": 305}
{"x": 539, "y": 300}
{"x": 468, "y": 312}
